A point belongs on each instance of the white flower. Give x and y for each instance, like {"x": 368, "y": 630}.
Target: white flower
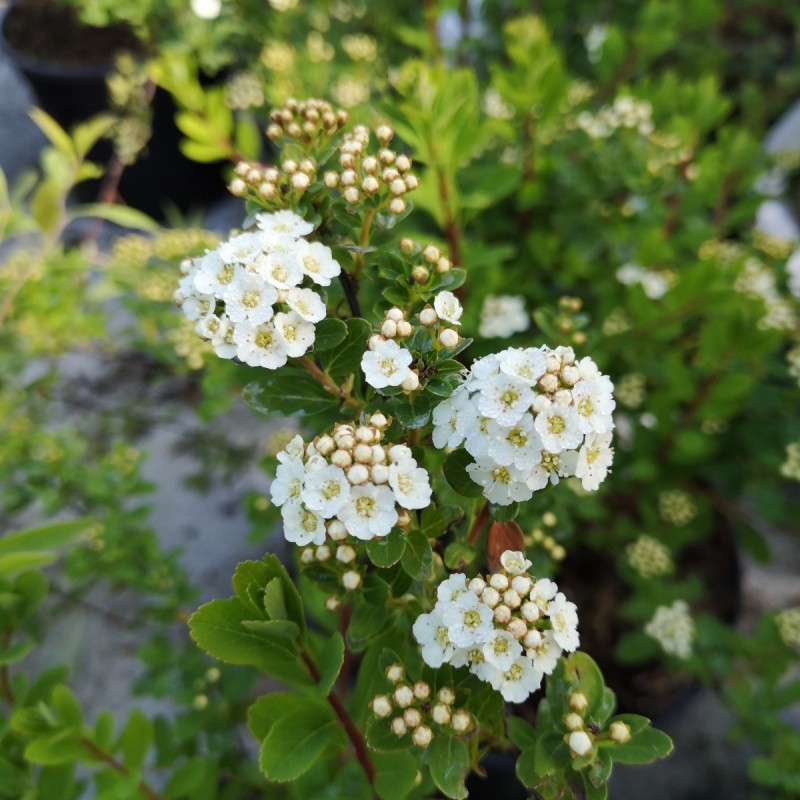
{"x": 306, "y": 303}
{"x": 468, "y": 620}
{"x": 318, "y": 262}
{"x": 518, "y": 444}
{"x": 551, "y": 468}
{"x": 580, "y": 743}
{"x": 410, "y": 484}
{"x": 206, "y": 9}
{"x": 544, "y": 590}
{"x": 501, "y": 485}
{"x": 505, "y": 399}
{"x": 301, "y": 525}
{"x": 448, "y": 307}
{"x": 503, "y": 316}
{"x": 211, "y": 274}
{"x": 284, "y": 223}
{"x": 546, "y": 653}
{"x": 594, "y": 403}
{"x": 451, "y": 588}
{"x": 564, "y": 618}
{"x": 483, "y": 369}
{"x": 445, "y": 417}
{"x": 280, "y": 268}
{"x": 242, "y": 250}
{"x": 559, "y": 427}
{"x": 370, "y": 512}
{"x": 673, "y": 628}
{"x": 528, "y": 364}
{"x": 501, "y": 649}
{"x": 293, "y": 451}
{"x": 297, "y": 335}
{"x": 287, "y": 485}
{"x": 326, "y": 490}
{"x": 594, "y": 460}
{"x": 260, "y": 345}
{"x": 430, "y": 631}
{"x": 249, "y": 298}
{"x": 387, "y": 365}
{"x": 514, "y": 562}
{"x": 518, "y": 681}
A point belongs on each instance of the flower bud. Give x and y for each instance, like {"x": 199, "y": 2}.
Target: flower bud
{"x": 331, "y": 180}
{"x": 403, "y": 518}
{"x": 502, "y": 614}
{"x": 379, "y": 474}
{"x": 337, "y": 530}
{"x": 430, "y": 253}
{"x": 498, "y": 581}
{"x": 580, "y": 743}
{"x": 397, "y": 206}
{"x": 532, "y": 639}
{"x": 351, "y": 580}
{"x": 370, "y": 185}
{"x": 398, "y": 726}
{"x": 352, "y": 195}
{"x": 378, "y": 454}
{"x": 411, "y": 182}
{"x": 620, "y": 732}
{"x": 422, "y": 690}
{"x": 449, "y": 338}
{"x": 407, "y": 246}
{"x": 404, "y": 329}
{"x": 512, "y": 598}
{"x": 347, "y": 160}
{"x": 268, "y": 191}
{"x": 521, "y": 584}
{"x": 242, "y": 168}
{"x": 323, "y": 553}
{"x": 428, "y": 317}
{"x": 395, "y": 673}
{"x": 307, "y": 556}
{"x": 411, "y": 383}
{"x": 412, "y": 717}
{"x": 289, "y": 166}
{"x": 490, "y": 596}
{"x": 384, "y": 133}
{"x": 358, "y": 474}
{"x": 238, "y": 187}
{"x": 549, "y": 383}
{"x": 307, "y": 166}
{"x": 389, "y": 329}
{"x": 378, "y": 420}
{"x": 271, "y": 175}
{"x": 381, "y": 706}
{"x": 325, "y": 445}
{"x": 447, "y": 695}
{"x": 403, "y": 696}
{"x": 441, "y": 714}
{"x": 461, "y": 721}
{"x": 374, "y": 341}
{"x": 570, "y": 375}
{"x": 578, "y": 702}
{"x": 345, "y": 554}
{"x": 420, "y": 274}
{"x": 529, "y": 611}
{"x": 574, "y": 722}
{"x": 397, "y": 187}
{"x": 387, "y": 156}
{"x": 422, "y": 736}
{"x": 395, "y": 314}
{"x": 517, "y": 628}
{"x": 477, "y": 585}
{"x": 362, "y": 453}
{"x": 332, "y": 602}
{"x": 403, "y": 163}
{"x": 254, "y": 176}
{"x": 443, "y": 265}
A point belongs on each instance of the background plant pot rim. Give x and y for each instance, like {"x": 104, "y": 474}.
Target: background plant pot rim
{"x": 53, "y": 71}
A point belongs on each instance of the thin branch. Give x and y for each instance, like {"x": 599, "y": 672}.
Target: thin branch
{"x": 480, "y": 523}
{"x": 350, "y": 293}
{"x": 5, "y": 682}
{"x": 147, "y": 791}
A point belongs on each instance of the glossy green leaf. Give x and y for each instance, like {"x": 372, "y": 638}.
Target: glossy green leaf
{"x": 449, "y": 763}
{"x": 288, "y": 393}
{"x": 455, "y": 472}
{"x": 329, "y": 333}
{"x": 417, "y": 558}
{"x": 125, "y": 216}
{"x": 329, "y": 663}
{"x": 135, "y": 740}
{"x": 395, "y": 774}
{"x": 387, "y": 550}
{"x": 345, "y": 359}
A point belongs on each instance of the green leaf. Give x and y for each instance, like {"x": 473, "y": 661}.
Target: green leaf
{"x": 125, "y": 216}
{"x": 412, "y": 415}
{"x": 250, "y": 578}
{"x": 387, "y": 550}
{"x": 436, "y": 521}
{"x": 67, "y": 705}
{"x": 329, "y": 332}
{"x": 46, "y": 537}
{"x": 395, "y": 774}
{"x": 458, "y": 554}
{"x": 57, "y": 748}
{"x": 269, "y": 708}
{"x": 186, "y": 780}
{"x": 87, "y": 134}
{"x": 329, "y": 662}
{"x": 202, "y": 152}
{"x": 196, "y": 127}
{"x": 104, "y": 730}
{"x": 504, "y": 513}
{"x": 455, "y": 473}
{"x": 381, "y": 739}
{"x": 217, "y": 628}
{"x": 46, "y": 205}
{"x": 645, "y": 745}
{"x": 21, "y": 562}
{"x": 370, "y": 615}
{"x": 58, "y": 137}
{"x": 273, "y": 600}
{"x": 135, "y": 740}
{"x": 520, "y": 732}
{"x": 449, "y": 763}
{"x": 288, "y": 393}
{"x": 16, "y": 652}
{"x": 417, "y": 558}
{"x": 346, "y": 359}
{"x": 296, "y": 741}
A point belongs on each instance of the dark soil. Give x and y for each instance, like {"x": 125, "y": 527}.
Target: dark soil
{"x": 48, "y": 31}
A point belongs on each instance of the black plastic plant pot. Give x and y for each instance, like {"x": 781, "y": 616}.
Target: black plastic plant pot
{"x": 162, "y": 178}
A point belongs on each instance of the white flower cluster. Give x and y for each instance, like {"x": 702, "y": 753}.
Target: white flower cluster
{"x": 347, "y": 483}
{"x": 503, "y": 315}
{"x": 417, "y": 710}
{"x": 676, "y": 507}
{"x": 788, "y": 622}
{"x": 510, "y": 628}
{"x": 625, "y": 112}
{"x": 655, "y": 284}
{"x": 673, "y": 628}
{"x": 757, "y": 282}
{"x": 248, "y": 298}
{"x": 649, "y": 557}
{"x": 385, "y": 363}
{"x": 791, "y": 466}
{"x": 530, "y": 417}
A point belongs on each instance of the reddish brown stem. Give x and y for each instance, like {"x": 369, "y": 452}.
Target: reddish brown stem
{"x": 451, "y": 231}
{"x": 353, "y": 734}
{"x": 147, "y": 791}
{"x": 5, "y": 682}
{"x": 480, "y": 523}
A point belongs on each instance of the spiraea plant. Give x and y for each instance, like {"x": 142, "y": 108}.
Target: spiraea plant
{"x": 397, "y": 648}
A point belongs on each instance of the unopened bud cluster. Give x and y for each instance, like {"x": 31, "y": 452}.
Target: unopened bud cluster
{"x": 307, "y": 121}
{"x": 555, "y": 550}
{"x": 431, "y": 259}
{"x": 581, "y": 741}
{"x": 347, "y": 483}
{"x": 372, "y": 170}
{"x": 676, "y": 507}
{"x": 649, "y": 557}
{"x": 508, "y": 627}
{"x": 280, "y": 185}
{"x": 530, "y": 417}
{"x": 417, "y": 709}
{"x": 444, "y": 318}
{"x": 385, "y": 362}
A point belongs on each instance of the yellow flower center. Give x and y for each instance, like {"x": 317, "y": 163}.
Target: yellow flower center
{"x": 365, "y": 506}
{"x": 556, "y": 425}
{"x": 251, "y": 298}
{"x": 263, "y": 340}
